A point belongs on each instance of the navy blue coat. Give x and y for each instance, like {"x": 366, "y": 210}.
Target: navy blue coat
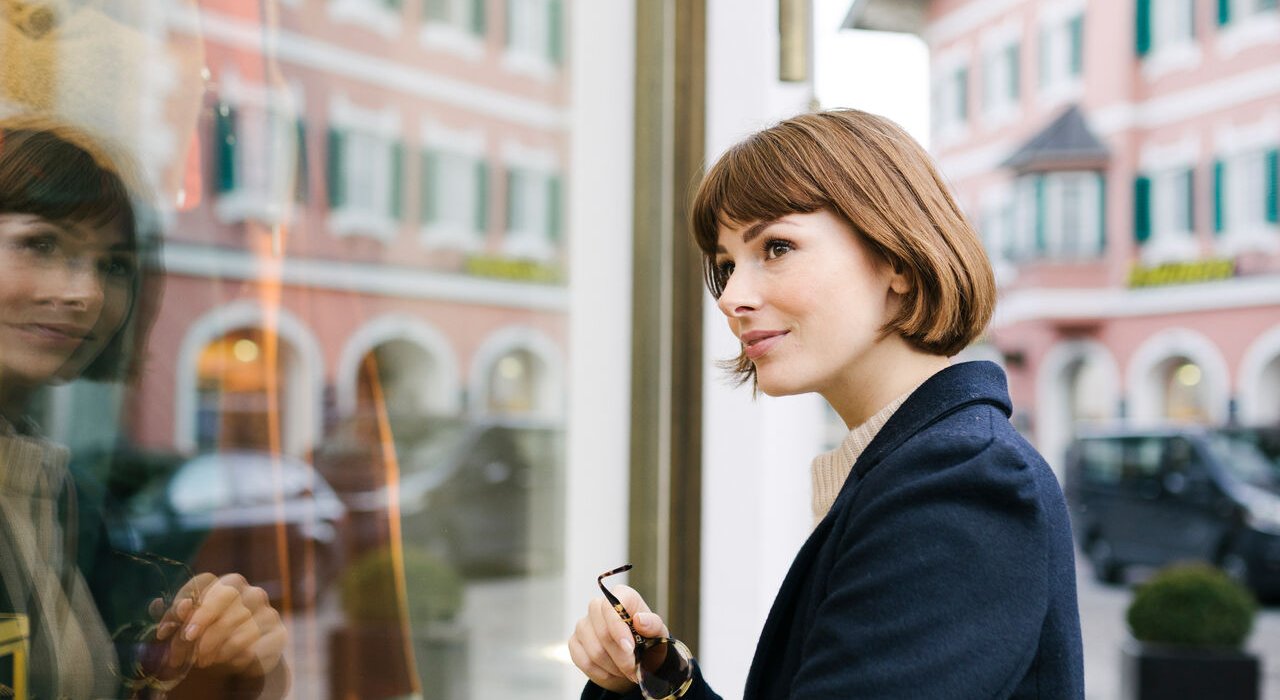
{"x": 945, "y": 568}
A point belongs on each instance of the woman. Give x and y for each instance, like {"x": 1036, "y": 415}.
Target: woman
{"x": 70, "y": 306}
{"x": 941, "y": 565}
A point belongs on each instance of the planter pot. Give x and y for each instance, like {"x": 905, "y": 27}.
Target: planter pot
{"x": 371, "y": 662}
{"x": 1160, "y": 672}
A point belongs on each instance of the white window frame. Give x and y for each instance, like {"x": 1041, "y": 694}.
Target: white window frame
{"x": 453, "y": 35}
{"x": 1164, "y": 164}
{"x": 534, "y": 242}
{"x": 950, "y": 126}
{"x": 370, "y": 14}
{"x": 1250, "y": 25}
{"x": 1088, "y": 245}
{"x": 999, "y": 228}
{"x": 1235, "y": 146}
{"x": 369, "y": 138}
{"x": 1173, "y": 39}
{"x": 263, "y": 190}
{"x": 999, "y": 106}
{"x": 461, "y": 150}
{"x": 1055, "y": 82}
{"x": 528, "y": 39}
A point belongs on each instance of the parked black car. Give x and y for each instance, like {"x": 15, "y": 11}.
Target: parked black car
{"x": 1157, "y": 496}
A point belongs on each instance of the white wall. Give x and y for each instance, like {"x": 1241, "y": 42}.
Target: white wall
{"x": 602, "y": 60}
{"x": 755, "y": 453}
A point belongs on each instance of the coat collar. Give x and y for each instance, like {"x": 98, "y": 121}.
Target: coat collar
{"x": 955, "y": 387}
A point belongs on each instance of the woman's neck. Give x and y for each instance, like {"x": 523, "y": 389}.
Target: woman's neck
{"x": 894, "y": 368}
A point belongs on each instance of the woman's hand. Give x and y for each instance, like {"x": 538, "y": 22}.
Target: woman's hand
{"x": 224, "y": 622}
{"x": 602, "y": 645}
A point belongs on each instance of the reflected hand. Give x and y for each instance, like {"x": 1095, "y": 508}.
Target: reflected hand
{"x": 224, "y": 622}
{"x": 602, "y": 646}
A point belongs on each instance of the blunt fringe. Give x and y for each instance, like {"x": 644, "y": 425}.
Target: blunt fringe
{"x": 869, "y": 171}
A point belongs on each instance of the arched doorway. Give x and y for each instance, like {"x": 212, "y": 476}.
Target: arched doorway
{"x": 248, "y": 391}
{"x": 1183, "y": 391}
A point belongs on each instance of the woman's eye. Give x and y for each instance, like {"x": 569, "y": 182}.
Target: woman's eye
{"x": 43, "y": 245}
{"x": 724, "y": 269}
{"x": 117, "y": 267}
{"x": 776, "y": 248}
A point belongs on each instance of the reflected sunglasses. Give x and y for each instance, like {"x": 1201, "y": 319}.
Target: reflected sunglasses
{"x": 664, "y": 664}
{"x": 143, "y": 662}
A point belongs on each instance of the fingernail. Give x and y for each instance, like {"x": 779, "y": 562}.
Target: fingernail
{"x": 164, "y": 630}
{"x": 190, "y": 633}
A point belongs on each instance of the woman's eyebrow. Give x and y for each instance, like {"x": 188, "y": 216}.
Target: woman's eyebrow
{"x": 753, "y": 232}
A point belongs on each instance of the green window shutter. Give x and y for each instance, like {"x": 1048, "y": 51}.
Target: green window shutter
{"x": 1041, "y": 242}
{"x": 436, "y": 10}
{"x": 482, "y": 197}
{"x": 1141, "y": 209}
{"x": 1224, "y": 12}
{"x": 1191, "y": 19}
{"x": 397, "y": 180}
{"x": 1102, "y": 214}
{"x": 301, "y": 177}
{"x": 555, "y": 31}
{"x": 1268, "y": 4}
{"x": 1219, "y": 181}
{"x": 334, "y": 168}
{"x": 479, "y": 18}
{"x": 1013, "y": 56}
{"x": 1076, "y": 30}
{"x": 429, "y": 187}
{"x": 962, "y": 94}
{"x": 513, "y": 217}
{"x": 1190, "y": 193}
{"x": 555, "y": 210}
{"x": 1272, "y": 190}
{"x": 1143, "y": 28}
{"x": 225, "y": 141}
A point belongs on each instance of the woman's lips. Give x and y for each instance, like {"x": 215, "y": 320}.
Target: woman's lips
{"x": 757, "y": 344}
{"x": 55, "y": 335}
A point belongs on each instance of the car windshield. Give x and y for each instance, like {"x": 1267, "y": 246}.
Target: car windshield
{"x": 1243, "y": 458}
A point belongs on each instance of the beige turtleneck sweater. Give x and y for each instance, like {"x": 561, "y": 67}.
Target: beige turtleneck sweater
{"x": 70, "y": 648}
{"x": 830, "y": 469}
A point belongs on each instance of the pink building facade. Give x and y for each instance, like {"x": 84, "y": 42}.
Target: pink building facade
{"x": 1121, "y": 162}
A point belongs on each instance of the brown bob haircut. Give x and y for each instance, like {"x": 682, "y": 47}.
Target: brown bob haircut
{"x": 60, "y": 173}
{"x": 867, "y": 170}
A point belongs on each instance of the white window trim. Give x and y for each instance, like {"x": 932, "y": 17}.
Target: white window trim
{"x": 1060, "y": 87}
{"x": 1165, "y": 57}
{"x": 1230, "y": 142}
{"x": 949, "y": 127}
{"x": 241, "y": 203}
{"x": 1247, "y": 30}
{"x": 999, "y": 205}
{"x": 535, "y": 64}
{"x": 1168, "y": 244}
{"x": 370, "y": 14}
{"x": 451, "y": 39}
{"x": 470, "y": 143}
{"x": 544, "y": 162}
{"x": 1091, "y": 191}
{"x": 384, "y": 123}
{"x": 995, "y": 43}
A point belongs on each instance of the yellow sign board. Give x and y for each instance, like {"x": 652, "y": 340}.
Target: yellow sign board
{"x": 14, "y": 631}
{"x": 1182, "y": 273}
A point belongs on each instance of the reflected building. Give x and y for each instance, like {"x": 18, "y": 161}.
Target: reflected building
{"x": 1121, "y": 163}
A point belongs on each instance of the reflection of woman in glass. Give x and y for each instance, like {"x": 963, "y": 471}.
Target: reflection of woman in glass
{"x": 69, "y": 304}
{"x": 941, "y": 562}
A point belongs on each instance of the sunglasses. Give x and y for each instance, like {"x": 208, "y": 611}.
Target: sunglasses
{"x": 144, "y": 662}
{"x": 664, "y": 664}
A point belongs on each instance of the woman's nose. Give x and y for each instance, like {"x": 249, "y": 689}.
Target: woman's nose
{"x": 738, "y": 296}
{"x": 81, "y": 285}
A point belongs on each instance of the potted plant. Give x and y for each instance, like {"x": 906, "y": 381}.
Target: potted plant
{"x": 396, "y": 624}
{"x": 1189, "y": 623}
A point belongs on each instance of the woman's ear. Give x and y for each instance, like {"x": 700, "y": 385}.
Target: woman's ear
{"x": 899, "y": 283}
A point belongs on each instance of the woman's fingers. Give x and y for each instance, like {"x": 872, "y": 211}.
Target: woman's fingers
{"x": 224, "y": 621}
{"x": 614, "y": 637}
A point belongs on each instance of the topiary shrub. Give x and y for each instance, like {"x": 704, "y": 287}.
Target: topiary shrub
{"x": 1193, "y": 605}
{"x": 433, "y": 589}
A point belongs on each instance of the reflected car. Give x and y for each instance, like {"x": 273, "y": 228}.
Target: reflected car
{"x": 228, "y": 512}
{"x": 486, "y": 497}
{"x": 1152, "y": 497}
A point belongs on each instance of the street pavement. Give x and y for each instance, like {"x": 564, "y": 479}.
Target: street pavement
{"x": 1102, "y": 610}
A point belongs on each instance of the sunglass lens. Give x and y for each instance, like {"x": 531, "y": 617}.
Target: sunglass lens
{"x": 665, "y": 667}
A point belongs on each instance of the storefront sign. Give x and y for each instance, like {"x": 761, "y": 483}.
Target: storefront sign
{"x": 515, "y": 270}
{"x": 1181, "y": 273}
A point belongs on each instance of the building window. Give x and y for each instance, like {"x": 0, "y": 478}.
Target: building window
{"x": 1245, "y": 191}
{"x": 1002, "y": 77}
{"x": 457, "y": 26}
{"x": 1166, "y": 36}
{"x": 454, "y": 199}
{"x": 1060, "y": 216}
{"x": 381, "y": 16}
{"x": 535, "y": 35}
{"x": 1230, "y": 11}
{"x": 260, "y": 162}
{"x": 951, "y": 95}
{"x": 1061, "y": 59}
{"x": 534, "y": 213}
{"x": 1164, "y": 215}
{"x": 365, "y": 182}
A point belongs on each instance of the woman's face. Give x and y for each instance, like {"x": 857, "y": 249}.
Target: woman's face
{"x": 807, "y": 298}
{"x": 65, "y": 290}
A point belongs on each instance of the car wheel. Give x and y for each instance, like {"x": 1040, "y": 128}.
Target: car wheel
{"x": 1105, "y": 567}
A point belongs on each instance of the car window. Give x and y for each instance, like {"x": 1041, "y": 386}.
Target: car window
{"x": 1244, "y": 460}
{"x": 1100, "y": 462}
{"x": 199, "y": 487}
